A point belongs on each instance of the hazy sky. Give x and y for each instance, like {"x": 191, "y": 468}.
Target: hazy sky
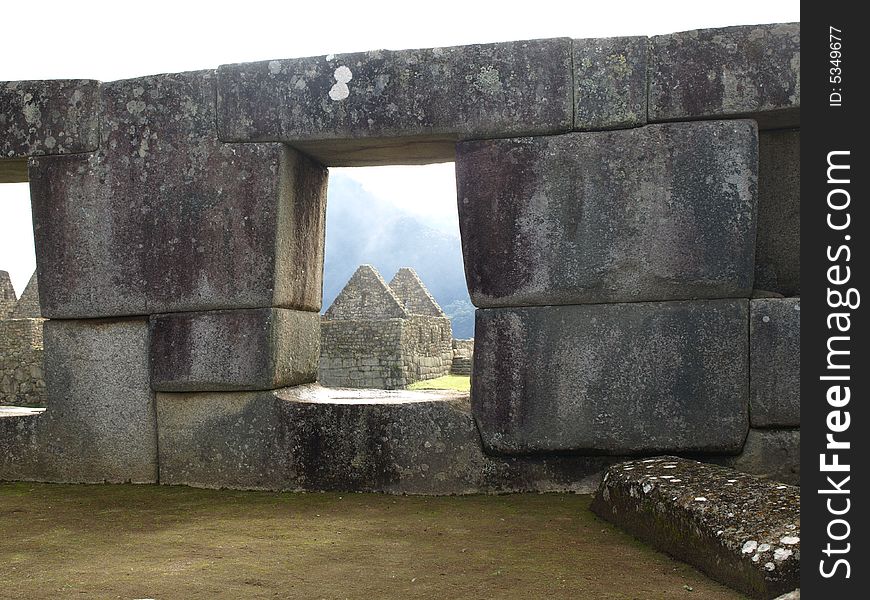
{"x": 118, "y": 39}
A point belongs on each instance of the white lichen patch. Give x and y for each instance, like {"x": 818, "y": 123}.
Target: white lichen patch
{"x": 781, "y": 554}
{"x": 749, "y": 546}
{"x": 789, "y": 540}
{"x": 763, "y": 547}
{"x": 700, "y": 499}
{"x": 766, "y": 319}
{"x": 769, "y": 566}
{"x": 340, "y": 90}
{"x": 274, "y": 67}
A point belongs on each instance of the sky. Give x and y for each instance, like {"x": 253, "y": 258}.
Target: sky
{"x": 118, "y": 39}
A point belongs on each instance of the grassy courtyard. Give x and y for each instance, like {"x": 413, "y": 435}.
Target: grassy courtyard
{"x": 459, "y": 383}
{"x": 123, "y": 541}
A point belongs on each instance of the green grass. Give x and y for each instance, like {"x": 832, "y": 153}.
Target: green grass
{"x": 459, "y": 383}
{"x": 151, "y": 541}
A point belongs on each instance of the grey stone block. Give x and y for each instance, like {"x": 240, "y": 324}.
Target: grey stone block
{"x": 313, "y": 438}
{"x": 253, "y": 349}
{"x": 778, "y": 245}
{"x": 100, "y": 424}
{"x": 775, "y": 362}
{"x": 19, "y": 456}
{"x": 399, "y": 107}
{"x": 746, "y": 71}
{"x": 662, "y": 212}
{"x": 738, "y": 529}
{"x": 617, "y": 378}
{"x": 610, "y": 82}
{"x": 165, "y": 218}
{"x": 57, "y": 116}
{"x": 771, "y": 453}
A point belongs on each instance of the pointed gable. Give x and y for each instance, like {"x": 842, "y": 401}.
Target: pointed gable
{"x": 28, "y": 305}
{"x": 366, "y": 296}
{"x": 413, "y": 295}
{"x": 7, "y": 295}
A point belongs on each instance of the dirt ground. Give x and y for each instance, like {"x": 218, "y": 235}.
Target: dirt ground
{"x": 124, "y": 541}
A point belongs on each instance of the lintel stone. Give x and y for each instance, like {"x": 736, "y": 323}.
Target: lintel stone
{"x": 399, "y": 107}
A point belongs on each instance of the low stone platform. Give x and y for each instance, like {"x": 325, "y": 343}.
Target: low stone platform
{"x": 739, "y": 529}
{"x": 315, "y": 438}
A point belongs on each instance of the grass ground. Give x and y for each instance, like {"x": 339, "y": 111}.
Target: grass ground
{"x": 460, "y": 383}
{"x": 123, "y": 541}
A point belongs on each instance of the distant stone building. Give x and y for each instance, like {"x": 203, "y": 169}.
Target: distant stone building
{"x": 21, "y": 353}
{"x": 384, "y": 336}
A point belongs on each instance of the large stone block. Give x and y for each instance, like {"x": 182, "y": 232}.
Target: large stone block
{"x": 56, "y": 116}
{"x": 746, "y": 71}
{"x": 253, "y": 349}
{"x": 166, "y": 218}
{"x": 399, "y": 107}
{"x": 610, "y": 82}
{"x": 775, "y": 362}
{"x": 19, "y": 446}
{"x": 739, "y": 529}
{"x": 618, "y": 378}
{"x": 771, "y": 453}
{"x": 313, "y": 438}
{"x": 100, "y": 423}
{"x": 778, "y": 245}
{"x": 662, "y": 212}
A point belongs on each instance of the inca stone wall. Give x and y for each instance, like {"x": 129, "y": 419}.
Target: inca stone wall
{"x": 383, "y": 336}
{"x": 629, "y": 218}
{"x": 22, "y": 381}
{"x": 463, "y": 357}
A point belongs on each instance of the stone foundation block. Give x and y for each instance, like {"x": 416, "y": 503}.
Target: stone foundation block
{"x": 739, "y": 529}
{"x": 771, "y": 453}
{"x": 313, "y": 438}
{"x": 100, "y": 424}
{"x": 58, "y": 116}
{"x": 775, "y": 362}
{"x": 19, "y": 447}
{"x": 610, "y": 82}
{"x": 619, "y": 378}
{"x": 661, "y": 212}
{"x": 399, "y": 107}
{"x": 142, "y": 227}
{"x": 778, "y": 245}
{"x": 254, "y": 349}
{"x": 745, "y": 71}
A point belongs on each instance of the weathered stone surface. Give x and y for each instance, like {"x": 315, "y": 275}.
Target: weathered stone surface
{"x": 313, "y": 438}
{"x": 775, "y": 362}
{"x": 100, "y": 423}
{"x": 739, "y": 529}
{"x": 778, "y": 245}
{"x": 143, "y": 227}
{"x": 610, "y": 82}
{"x": 366, "y": 296}
{"x": 745, "y": 71}
{"x": 413, "y": 295}
{"x": 56, "y": 116}
{"x": 793, "y": 595}
{"x": 21, "y": 360}
{"x": 253, "y": 349}
{"x": 771, "y": 453}
{"x": 399, "y": 107}
{"x": 662, "y": 212}
{"x": 7, "y": 295}
{"x": 19, "y": 457}
{"x": 618, "y": 378}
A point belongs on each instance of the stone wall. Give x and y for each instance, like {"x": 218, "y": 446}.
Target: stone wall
{"x": 623, "y": 204}
{"x": 22, "y": 381}
{"x": 463, "y": 357}
{"x": 7, "y": 296}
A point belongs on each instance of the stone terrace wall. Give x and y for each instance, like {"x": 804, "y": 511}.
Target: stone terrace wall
{"x": 21, "y": 359}
{"x": 362, "y": 353}
{"x": 463, "y": 357}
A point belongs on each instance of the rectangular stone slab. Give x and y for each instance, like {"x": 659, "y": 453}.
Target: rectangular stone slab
{"x": 778, "y": 244}
{"x": 100, "y": 424}
{"x": 317, "y": 439}
{"x": 166, "y": 218}
{"x": 662, "y": 212}
{"x": 399, "y": 107}
{"x": 609, "y": 82}
{"x": 613, "y": 378}
{"x": 775, "y": 362}
{"x": 58, "y": 116}
{"x": 253, "y": 349}
{"x": 741, "y": 530}
{"x": 748, "y": 71}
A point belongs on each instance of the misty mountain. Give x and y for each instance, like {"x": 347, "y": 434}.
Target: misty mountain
{"x": 361, "y": 228}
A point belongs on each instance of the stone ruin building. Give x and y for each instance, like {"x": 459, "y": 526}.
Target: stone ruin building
{"x": 629, "y": 217}
{"x": 21, "y": 352}
{"x": 376, "y": 335}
